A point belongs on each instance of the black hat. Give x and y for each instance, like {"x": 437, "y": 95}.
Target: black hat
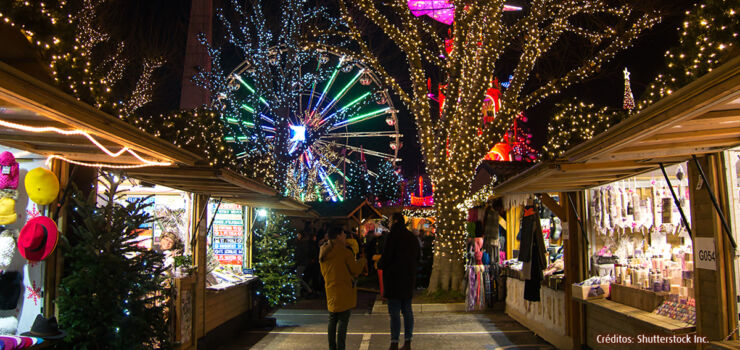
{"x": 45, "y": 328}
{"x": 10, "y": 289}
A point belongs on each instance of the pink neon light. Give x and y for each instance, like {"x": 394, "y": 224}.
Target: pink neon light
{"x": 441, "y": 10}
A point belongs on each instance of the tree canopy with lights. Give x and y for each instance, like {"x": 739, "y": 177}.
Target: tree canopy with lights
{"x": 488, "y": 41}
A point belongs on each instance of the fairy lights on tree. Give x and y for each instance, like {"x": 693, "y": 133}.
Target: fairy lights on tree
{"x": 629, "y": 100}
{"x": 707, "y": 39}
{"x": 483, "y": 35}
{"x": 387, "y": 186}
{"x": 298, "y": 111}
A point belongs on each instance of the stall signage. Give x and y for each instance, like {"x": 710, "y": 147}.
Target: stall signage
{"x": 228, "y": 233}
{"x": 706, "y": 254}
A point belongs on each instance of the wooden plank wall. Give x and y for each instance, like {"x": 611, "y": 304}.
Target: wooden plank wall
{"x": 225, "y": 305}
{"x": 200, "y": 247}
{"x": 575, "y": 264}
{"x": 714, "y": 290}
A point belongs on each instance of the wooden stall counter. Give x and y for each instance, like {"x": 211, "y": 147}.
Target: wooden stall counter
{"x": 225, "y": 302}
{"x": 605, "y": 317}
{"x": 545, "y": 318}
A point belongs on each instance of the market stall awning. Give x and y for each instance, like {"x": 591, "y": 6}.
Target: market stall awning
{"x": 221, "y": 183}
{"x": 28, "y": 105}
{"x": 357, "y": 209}
{"x": 702, "y": 117}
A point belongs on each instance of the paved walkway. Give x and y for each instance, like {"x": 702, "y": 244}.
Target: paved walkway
{"x": 304, "y": 327}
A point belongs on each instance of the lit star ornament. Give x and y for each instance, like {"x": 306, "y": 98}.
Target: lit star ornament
{"x": 441, "y": 10}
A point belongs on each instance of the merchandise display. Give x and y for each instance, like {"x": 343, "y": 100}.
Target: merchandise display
{"x": 639, "y": 238}
{"x": 38, "y": 238}
{"x": 42, "y": 186}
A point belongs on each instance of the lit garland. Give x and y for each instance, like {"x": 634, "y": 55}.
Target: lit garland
{"x": 479, "y": 198}
{"x": 419, "y": 212}
{"x": 451, "y": 146}
{"x": 708, "y": 36}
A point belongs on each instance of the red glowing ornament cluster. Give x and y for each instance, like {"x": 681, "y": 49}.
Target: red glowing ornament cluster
{"x": 441, "y": 10}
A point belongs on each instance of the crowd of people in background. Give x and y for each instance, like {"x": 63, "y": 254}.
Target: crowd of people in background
{"x": 330, "y": 258}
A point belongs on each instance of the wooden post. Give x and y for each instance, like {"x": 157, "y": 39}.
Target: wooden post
{"x": 716, "y": 314}
{"x": 55, "y": 261}
{"x": 201, "y": 246}
{"x": 575, "y": 265}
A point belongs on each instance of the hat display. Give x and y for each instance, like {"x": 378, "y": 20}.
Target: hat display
{"x": 7, "y": 211}
{"x": 46, "y": 328}
{"x": 10, "y": 289}
{"x": 7, "y": 248}
{"x": 38, "y": 238}
{"x": 42, "y": 186}
{"x": 8, "y": 171}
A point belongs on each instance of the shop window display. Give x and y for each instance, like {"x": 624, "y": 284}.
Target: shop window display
{"x": 228, "y": 245}
{"x": 640, "y": 244}
{"x": 28, "y": 235}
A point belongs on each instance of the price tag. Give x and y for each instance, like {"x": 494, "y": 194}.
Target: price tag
{"x": 7, "y": 169}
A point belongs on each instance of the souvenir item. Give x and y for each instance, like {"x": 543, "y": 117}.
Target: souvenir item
{"x": 10, "y": 289}
{"x": 7, "y": 211}
{"x": 42, "y": 186}
{"x": 46, "y": 328}
{"x": 38, "y": 238}
{"x": 8, "y": 171}
{"x": 7, "y": 248}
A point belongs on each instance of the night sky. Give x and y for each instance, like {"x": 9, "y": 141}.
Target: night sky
{"x": 644, "y": 60}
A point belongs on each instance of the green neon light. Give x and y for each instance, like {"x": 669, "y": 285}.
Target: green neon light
{"x": 366, "y": 115}
{"x": 344, "y": 89}
{"x": 248, "y": 108}
{"x": 229, "y": 138}
{"x": 356, "y": 101}
{"x": 331, "y": 184}
{"x": 262, "y": 99}
{"x": 238, "y": 77}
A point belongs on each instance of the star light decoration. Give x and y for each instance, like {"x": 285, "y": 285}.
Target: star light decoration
{"x": 707, "y": 37}
{"x": 483, "y": 39}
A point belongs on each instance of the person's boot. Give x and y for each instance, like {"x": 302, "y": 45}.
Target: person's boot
{"x": 394, "y": 346}
{"x": 406, "y": 345}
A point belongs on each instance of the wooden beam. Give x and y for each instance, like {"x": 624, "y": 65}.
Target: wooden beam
{"x": 553, "y": 205}
{"x": 692, "y": 136}
{"x": 590, "y": 166}
{"x": 29, "y": 93}
{"x": 703, "y": 95}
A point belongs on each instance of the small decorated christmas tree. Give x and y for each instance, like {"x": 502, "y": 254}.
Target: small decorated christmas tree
{"x": 387, "y": 187}
{"x": 274, "y": 258}
{"x": 629, "y": 100}
{"x": 358, "y": 181}
{"x": 113, "y": 296}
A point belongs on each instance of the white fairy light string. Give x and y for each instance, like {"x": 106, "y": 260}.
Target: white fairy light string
{"x": 33, "y": 129}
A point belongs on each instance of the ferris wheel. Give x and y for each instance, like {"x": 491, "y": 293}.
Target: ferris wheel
{"x": 344, "y": 117}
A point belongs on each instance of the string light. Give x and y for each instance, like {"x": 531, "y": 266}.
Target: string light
{"x": 104, "y": 165}
{"x": 112, "y": 154}
{"x": 451, "y": 144}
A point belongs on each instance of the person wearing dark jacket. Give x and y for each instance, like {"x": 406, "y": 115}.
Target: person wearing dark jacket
{"x": 398, "y": 262}
{"x": 303, "y": 259}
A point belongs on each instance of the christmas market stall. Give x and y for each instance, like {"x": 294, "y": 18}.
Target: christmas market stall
{"x": 49, "y": 140}
{"x": 646, "y": 210}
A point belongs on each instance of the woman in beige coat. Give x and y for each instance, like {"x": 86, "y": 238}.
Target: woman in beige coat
{"x": 339, "y": 268}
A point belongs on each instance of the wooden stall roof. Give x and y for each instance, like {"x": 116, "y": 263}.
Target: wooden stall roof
{"x": 346, "y": 209}
{"x": 221, "y": 183}
{"x": 28, "y": 101}
{"x": 702, "y": 117}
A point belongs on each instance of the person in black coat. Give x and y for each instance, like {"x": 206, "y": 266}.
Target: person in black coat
{"x": 399, "y": 261}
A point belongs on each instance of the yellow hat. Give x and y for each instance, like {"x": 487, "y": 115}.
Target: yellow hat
{"x": 7, "y": 211}
{"x": 42, "y": 186}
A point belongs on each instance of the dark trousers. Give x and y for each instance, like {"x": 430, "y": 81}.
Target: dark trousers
{"x": 338, "y": 335}
{"x": 395, "y": 308}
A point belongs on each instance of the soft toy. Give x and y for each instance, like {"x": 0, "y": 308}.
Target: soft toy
{"x": 7, "y": 248}
{"x": 42, "y": 186}
{"x": 8, "y": 171}
{"x": 7, "y": 211}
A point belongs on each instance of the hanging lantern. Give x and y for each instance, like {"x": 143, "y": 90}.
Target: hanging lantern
{"x": 273, "y": 60}
{"x": 324, "y": 59}
{"x": 347, "y": 67}
{"x": 390, "y": 120}
{"x": 233, "y": 85}
{"x": 396, "y": 145}
{"x": 365, "y": 80}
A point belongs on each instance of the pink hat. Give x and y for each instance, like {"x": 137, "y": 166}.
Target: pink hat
{"x": 38, "y": 238}
{"x": 8, "y": 171}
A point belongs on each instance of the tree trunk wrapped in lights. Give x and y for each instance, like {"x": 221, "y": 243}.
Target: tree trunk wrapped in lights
{"x": 485, "y": 41}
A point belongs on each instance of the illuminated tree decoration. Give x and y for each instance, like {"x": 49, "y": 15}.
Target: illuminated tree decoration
{"x": 358, "y": 181}
{"x": 274, "y": 260}
{"x": 707, "y": 39}
{"x": 305, "y": 110}
{"x": 486, "y": 40}
{"x": 387, "y": 186}
{"x": 629, "y": 100}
